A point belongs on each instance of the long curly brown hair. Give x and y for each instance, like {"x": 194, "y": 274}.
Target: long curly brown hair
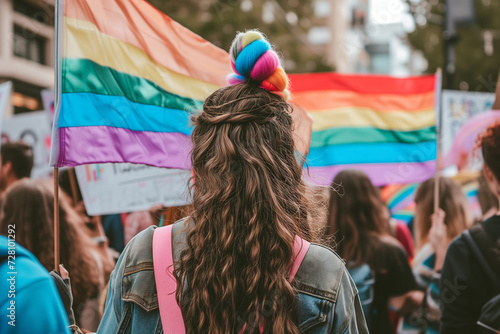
{"x": 248, "y": 206}
{"x": 29, "y": 205}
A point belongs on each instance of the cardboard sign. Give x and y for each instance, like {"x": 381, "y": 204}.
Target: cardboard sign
{"x": 33, "y": 129}
{"x": 48, "y": 104}
{"x": 118, "y": 188}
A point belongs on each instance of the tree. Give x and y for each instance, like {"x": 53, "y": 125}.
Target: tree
{"x": 284, "y": 22}
{"x": 477, "y": 57}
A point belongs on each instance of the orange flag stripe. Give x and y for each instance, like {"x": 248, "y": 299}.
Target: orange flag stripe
{"x": 143, "y": 26}
{"x": 331, "y": 99}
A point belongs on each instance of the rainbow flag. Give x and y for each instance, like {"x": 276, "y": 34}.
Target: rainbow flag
{"x": 400, "y": 200}
{"x": 129, "y": 79}
{"x": 470, "y": 189}
{"x": 381, "y": 125}
{"x": 403, "y": 198}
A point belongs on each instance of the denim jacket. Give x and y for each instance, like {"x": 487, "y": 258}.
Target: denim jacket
{"x": 326, "y": 297}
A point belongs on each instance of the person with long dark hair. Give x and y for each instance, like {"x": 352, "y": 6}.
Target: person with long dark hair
{"x": 358, "y": 226}
{"x": 233, "y": 255}
{"x": 29, "y": 205}
{"x": 470, "y": 277}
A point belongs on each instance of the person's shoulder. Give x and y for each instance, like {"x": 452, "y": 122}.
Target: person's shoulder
{"x": 321, "y": 273}
{"x": 492, "y": 226}
{"x": 23, "y": 265}
{"x": 389, "y": 243}
{"x": 492, "y": 220}
{"x": 140, "y": 248}
{"x": 21, "y": 261}
{"x": 458, "y": 261}
{"x": 317, "y": 251}
{"x": 457, "y": 247}
{"x": 29, "y": 277}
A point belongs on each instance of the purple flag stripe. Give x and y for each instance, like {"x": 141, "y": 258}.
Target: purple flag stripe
{"x": 101, "y": 144}
{"x": 382, "y": 174}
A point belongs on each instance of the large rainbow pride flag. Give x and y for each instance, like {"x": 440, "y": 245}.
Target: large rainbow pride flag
{"x": 381, "y": 125}
{"x": 129, "y": 79}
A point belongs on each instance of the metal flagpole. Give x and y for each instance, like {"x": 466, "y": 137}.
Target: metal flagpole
{"x": 56, "y": 220}
{"x": 57, "y": 98}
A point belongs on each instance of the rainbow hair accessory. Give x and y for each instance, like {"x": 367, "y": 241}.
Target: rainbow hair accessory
{"x": 252, "y": 57}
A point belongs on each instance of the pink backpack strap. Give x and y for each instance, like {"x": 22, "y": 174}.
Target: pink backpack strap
{"x": 166, "y": 285}
{"x": 300, "y": 248}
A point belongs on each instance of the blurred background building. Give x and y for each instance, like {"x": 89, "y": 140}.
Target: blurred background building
{"x": 394, "y": 37}
{"x": 354, "y": 42}
{"x": 27, "y": 51}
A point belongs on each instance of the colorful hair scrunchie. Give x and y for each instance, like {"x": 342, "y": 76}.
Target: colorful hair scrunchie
{"x": 253, "y": 57}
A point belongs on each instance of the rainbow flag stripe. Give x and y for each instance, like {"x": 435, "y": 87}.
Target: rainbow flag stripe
{"x": 471, "y": 192}
{"x": 382, "y": 125}
{"x": 130, "y": 78}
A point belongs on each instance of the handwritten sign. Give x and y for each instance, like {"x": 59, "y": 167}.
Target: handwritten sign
{"x": 118, "y": 188}
{"x": 48, "y": 104}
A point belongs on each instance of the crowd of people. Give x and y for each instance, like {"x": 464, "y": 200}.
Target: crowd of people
{"x": 250, "y": 255}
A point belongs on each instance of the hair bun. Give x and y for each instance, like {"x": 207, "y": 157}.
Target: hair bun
{"x": 252, "y": 57}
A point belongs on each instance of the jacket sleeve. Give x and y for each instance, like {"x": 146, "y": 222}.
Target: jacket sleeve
{"x": 114, "y": 305}
{"x": 348, "y": 314}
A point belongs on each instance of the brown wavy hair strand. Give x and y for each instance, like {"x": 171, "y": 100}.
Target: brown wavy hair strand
{"x": 248, "y": 206}
{"x": 357, "y": 220}
{"x": 452, "y": 200}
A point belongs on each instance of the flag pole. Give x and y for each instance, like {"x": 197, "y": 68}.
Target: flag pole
{"x": 439, "y": 121}
{"x": 57, "y": 102}
{"x": 56, "y": 220}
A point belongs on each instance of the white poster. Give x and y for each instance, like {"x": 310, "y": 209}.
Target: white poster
{"x": 118, "y": 188}
{"x": 33, "y": 129}
{"x": 48, "y": 104}
{"x": 457, "y": 108}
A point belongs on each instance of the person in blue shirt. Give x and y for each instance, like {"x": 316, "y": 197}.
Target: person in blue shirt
{"x": 29, "y": 300}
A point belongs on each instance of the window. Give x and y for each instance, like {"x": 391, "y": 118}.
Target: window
{"x": 26, "y": 97}
{"x": 380, "y": 58}
{"x": 319, "y": 35}
{"x": 29, "y": 45}
{"x": 42, "y": 12}
{"x": 322, "y": 8}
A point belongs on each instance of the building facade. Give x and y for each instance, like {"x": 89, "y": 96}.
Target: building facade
{"x": 27, "y": 51}
{"x": 358, "y": 37}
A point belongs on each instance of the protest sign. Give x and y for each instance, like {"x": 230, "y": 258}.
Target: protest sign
{"x": 33, "y": 129}
{"x": 458, "y": 107}
{"x": 117, "y": 188}
{"x": 48, "y": 104}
